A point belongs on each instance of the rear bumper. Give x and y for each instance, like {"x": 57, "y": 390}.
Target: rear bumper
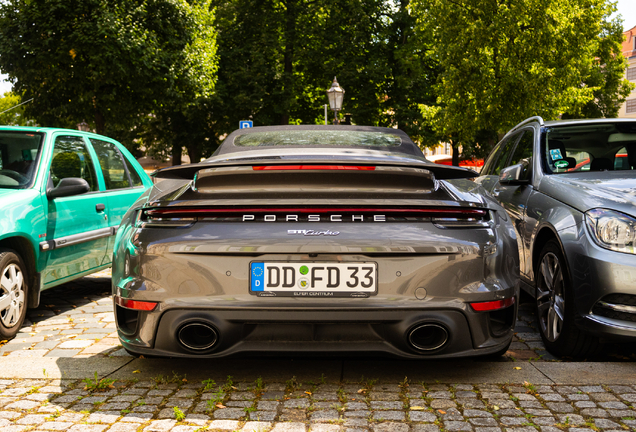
{"x": 370, "y": 331}
{"x": 425, "y": 275}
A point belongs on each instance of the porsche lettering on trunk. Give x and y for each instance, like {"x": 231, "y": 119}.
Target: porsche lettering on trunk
{"x": 314, "y": 218}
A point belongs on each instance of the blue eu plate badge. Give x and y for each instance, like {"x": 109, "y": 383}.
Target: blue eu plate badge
{"x": 257, "y": 276}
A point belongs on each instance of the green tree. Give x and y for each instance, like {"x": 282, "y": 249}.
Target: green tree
{"x": 277, "y": 58}
{"x": 502, "y": 61}
{"x": 107, "y": 62}
{"x": 605, "y": 75}
{"x": 12, "y": 112}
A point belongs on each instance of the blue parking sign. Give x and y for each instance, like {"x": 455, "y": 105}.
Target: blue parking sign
{"x": 244, "y": 124}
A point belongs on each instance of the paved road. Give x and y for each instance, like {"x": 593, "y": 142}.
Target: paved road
{"x": 44, "y": 384}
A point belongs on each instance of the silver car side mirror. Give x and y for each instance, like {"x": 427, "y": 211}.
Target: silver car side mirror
{"x": 512, "y": 175}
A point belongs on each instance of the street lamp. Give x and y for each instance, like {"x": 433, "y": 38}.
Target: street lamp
{"x": 84, "y": 127}
{"x": 335, "y": 95}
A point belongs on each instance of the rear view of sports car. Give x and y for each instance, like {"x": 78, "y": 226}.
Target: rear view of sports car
{"x": 306, "y": 239}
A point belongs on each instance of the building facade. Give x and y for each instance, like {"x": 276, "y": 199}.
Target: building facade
{"x": 628, "y": 109}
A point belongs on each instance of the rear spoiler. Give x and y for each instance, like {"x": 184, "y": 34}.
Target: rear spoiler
{"x": 189, "y": 171}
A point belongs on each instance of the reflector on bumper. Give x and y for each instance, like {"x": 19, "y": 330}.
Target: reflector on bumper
{"x": 493, "y": 305}
{"x": 135, "y": 304}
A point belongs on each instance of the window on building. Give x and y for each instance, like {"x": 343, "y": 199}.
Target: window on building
{"x": 447, "y": 149}
{"x": 631, "y": 73}
{"x": 630, "y": 106}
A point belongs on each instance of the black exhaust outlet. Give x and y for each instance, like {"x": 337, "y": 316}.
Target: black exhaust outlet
{"x": 428, "y": 337}
{"x": 197, "y": 336}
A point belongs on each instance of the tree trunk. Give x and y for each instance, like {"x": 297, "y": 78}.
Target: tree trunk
{"x": 194, "y": 151}
{"x": 176, "y": 154}
{"x": 100, "y": 122}
{"x": 288, "y": 73}
{"x": 402, "y": 27}
{"x": 455, "y": 148}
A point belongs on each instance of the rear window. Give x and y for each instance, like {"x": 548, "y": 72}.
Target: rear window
{"x": 317, "y": 138}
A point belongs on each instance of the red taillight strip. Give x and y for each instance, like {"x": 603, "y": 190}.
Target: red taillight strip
{"x": 435, "y": 212}
{"x": 493, "y": 305}
{"x": 313, "y": 167}
{"x": 135, "y": 304}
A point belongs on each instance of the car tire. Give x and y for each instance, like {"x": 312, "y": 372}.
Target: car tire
{"x": 13, "y": 293}
{"x": 555, "y": 307}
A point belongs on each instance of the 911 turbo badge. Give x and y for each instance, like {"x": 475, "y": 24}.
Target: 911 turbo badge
{"x": 313, "y": 232}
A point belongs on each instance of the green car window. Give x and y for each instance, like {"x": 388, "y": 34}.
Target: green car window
{"x": 113, "y": 168}
{"x": 134, "y": 176}
{"x": 72, "y": 159}
{"x": 19, "y": 155}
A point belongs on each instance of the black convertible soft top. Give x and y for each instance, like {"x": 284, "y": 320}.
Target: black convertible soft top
{"x": 315, "y": 144}
{"x": 318, "y": 136}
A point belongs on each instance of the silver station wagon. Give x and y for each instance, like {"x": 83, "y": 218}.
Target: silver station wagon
{"x": 316, "y": 239}
{"x": 569, "y": 188}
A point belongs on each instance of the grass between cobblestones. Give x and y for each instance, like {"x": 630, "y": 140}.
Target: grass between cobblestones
{"x": 172, "y": 403}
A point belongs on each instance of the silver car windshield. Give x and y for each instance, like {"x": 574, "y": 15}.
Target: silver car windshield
{"x": 19, "y": 153}
{"x": 589, "y": 147}
{"x": 317, "y": 138}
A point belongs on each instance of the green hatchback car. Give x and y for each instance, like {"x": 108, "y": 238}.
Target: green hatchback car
{"x": 62, "y": 196}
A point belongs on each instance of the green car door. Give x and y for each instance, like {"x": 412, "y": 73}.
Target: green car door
{"x": 122, "y": 183}
{"x": 77, "y": 229}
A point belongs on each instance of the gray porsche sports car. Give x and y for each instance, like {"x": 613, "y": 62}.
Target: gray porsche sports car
{"x": 331, "y": 239}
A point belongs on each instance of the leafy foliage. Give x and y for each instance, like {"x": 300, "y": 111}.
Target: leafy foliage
{"x": 277, "y": 58}
{"x": 172, "y": 74}
{"x": 14, "y": 115}
{"x": 106, "y": 62}
{"x": 502, "y": 61}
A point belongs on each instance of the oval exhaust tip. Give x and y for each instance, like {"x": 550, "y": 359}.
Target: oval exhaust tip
{"x": 197, "y": 336}
{"x": 428, "y": 337}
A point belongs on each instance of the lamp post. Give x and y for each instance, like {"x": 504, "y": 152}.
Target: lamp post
{"x": 84, "y": 127}
{"x": 335, "y": 95}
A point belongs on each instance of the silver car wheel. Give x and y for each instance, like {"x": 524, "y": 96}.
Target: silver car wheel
{"x": 11, "y": 295}
{"x": 551, "y": 297}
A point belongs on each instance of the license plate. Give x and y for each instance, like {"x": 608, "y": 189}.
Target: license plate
{"x": 316, "y": 279}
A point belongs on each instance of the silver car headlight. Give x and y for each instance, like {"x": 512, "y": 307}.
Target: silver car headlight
{"x": 612, "y": 230}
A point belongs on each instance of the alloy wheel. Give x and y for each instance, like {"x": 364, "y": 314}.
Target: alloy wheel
{"x": 11, "y": 295}
{"x": 551, "y": 297}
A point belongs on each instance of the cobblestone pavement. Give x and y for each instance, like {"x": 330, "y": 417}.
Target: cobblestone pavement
{"x": 76, "y": 320}
{"x": 176, "y": 405}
